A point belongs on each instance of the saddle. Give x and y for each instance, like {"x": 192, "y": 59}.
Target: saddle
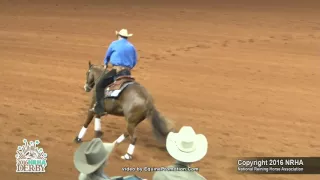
{"x": 119, "y": 82}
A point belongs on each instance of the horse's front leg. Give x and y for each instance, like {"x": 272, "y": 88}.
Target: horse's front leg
{"x": 83, "y": 131}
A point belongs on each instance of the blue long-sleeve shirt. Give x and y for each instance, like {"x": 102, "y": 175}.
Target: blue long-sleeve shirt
{"x": 121, "y": 53}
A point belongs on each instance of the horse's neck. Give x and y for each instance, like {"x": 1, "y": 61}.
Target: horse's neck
{"x": 98, "y": 73}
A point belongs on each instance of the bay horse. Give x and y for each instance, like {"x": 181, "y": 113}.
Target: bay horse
{"x": 127, "y": 98}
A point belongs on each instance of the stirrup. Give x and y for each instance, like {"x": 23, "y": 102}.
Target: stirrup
{"x": 93, "y": 111}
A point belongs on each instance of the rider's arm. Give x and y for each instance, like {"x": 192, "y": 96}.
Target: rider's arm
{"x": 135, "y": 58}
{"x": 108, "y": 54}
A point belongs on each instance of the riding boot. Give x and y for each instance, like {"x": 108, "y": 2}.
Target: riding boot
{"x": 99, "y": 107}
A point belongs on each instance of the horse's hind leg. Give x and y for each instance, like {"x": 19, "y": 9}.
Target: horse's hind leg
{"x": 121, "y": 138}
{"x": 97, "y": 127}
{"x": 83, "y": 131}
{"x": 131, "y": 126}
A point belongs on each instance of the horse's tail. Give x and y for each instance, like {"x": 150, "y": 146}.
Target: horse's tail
{"x": 160, "y": 125}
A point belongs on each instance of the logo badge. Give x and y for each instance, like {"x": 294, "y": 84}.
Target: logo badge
{"x": 30, "y": 158}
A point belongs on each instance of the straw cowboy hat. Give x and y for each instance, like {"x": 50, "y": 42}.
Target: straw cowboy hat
{"x": 186, "y": 145}
{"x": 124, "y": 33}
{"x": 91, "y": 155}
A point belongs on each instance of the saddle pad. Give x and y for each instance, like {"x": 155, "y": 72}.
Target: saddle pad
{"x": 116, "y": 93}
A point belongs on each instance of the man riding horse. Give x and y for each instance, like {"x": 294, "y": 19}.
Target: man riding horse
{"x": 123, "y": 96}
{"x": 123, "y": 57}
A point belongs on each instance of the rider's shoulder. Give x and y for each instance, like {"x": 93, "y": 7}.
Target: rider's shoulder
{"x": 131, "y": 45}
{"x": 114, "y": 42}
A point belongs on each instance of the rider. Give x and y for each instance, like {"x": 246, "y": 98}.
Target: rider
{"x": 123, "y": 56}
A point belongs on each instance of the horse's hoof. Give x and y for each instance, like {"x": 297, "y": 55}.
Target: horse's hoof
{"x": 98, "y": 134}
{"x": 126, "y": 157}
{"x": 77, "y": 140}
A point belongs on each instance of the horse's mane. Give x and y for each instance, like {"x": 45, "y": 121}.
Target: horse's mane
{"x": 98, "y": 68}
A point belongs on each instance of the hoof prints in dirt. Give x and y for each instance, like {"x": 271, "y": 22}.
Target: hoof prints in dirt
{"x": 225, "y": 43}
{"x": 64, "y": 130}
{"x": 172, "y": 53}
{"x": 9, "y": 143}
{"x": 189, "y": 48}
{"x": 157, "y": 57}
{"x": 17, "y": 131}
{"x": 32, "y": 123}
{"x": 49, "y": 139}
{"x": 3, "y": 115}
{"x": 22, "y": 114}
{"x": 282, "y": 38}
{"x": 6, "y": 105}
{"x": 175, "y": 52}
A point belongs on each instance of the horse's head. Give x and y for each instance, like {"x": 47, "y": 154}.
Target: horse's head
{"x": 92, "y": 74}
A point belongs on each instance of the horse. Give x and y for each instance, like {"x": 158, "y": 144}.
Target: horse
{"x": 125, "y": 97}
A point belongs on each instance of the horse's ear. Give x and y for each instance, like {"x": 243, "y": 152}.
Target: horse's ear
{"x": 90, "y": 64}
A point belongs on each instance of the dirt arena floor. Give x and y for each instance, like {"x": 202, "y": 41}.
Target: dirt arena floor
{"x": 243, "y": 73}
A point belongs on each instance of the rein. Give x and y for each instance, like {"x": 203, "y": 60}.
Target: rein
{"x": 94, "y": 82}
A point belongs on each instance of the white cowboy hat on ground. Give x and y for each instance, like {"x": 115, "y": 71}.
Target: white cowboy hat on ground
{"x": 187, "y": 146}
{"x": 91, "y": 155}
{"x": 124, "y": 33}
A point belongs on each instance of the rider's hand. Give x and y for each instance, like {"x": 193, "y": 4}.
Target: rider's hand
{"x": 105, "y": 66}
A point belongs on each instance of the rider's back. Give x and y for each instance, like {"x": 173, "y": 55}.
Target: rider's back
{"x": 123, "y": 53}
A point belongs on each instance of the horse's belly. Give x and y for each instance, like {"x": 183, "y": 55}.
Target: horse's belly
{"x": 113, "y": 107}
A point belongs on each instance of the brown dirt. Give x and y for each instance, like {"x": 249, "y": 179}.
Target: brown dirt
{"x": 246, "y": 75}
